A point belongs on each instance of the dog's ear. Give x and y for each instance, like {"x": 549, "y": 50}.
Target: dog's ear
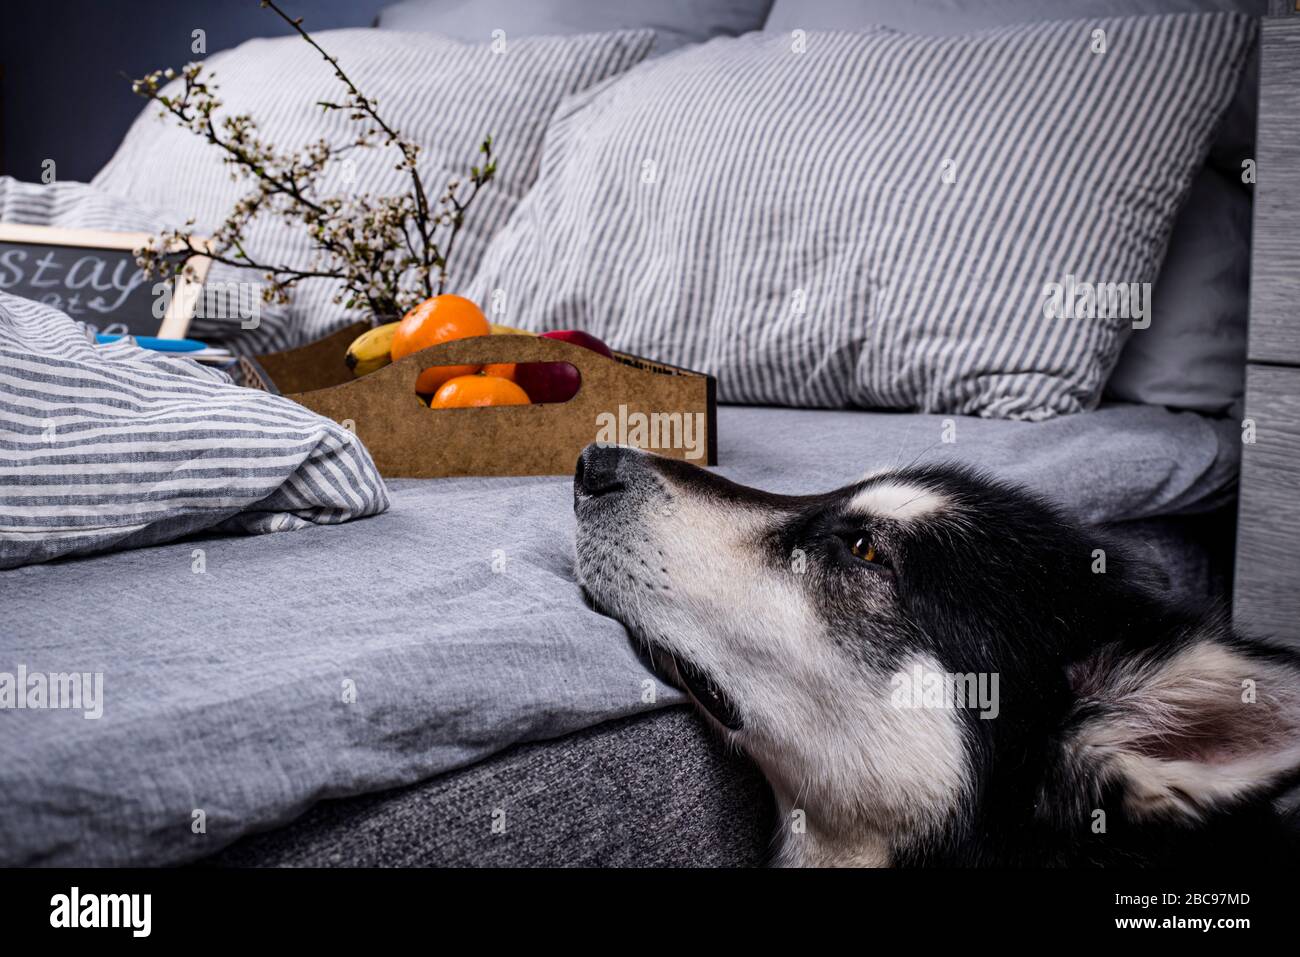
{"x": 1185, "y": 732}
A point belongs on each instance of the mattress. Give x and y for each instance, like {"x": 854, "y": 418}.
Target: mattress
{"x": 653, "y": 790}
{"x": 286, "y": 670}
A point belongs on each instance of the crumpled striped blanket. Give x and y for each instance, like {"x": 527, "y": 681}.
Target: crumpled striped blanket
{"x": 113, "y": 446}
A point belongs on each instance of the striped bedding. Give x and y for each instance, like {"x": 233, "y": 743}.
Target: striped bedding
{"x": 108, "y": 447}
{"x": 873, "y": 219}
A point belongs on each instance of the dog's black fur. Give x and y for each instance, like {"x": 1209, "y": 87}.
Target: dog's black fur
{"x": 1000, "y": 582}
{"x": 1013, "y": 592}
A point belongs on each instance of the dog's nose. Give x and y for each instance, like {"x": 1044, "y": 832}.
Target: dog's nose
{"x": 597, "y": 472}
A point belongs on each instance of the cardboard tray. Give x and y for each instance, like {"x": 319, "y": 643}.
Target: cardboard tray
{"x": 628, "y": 399}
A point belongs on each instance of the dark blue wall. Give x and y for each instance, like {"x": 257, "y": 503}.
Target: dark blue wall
{"x": 61, "y": 95}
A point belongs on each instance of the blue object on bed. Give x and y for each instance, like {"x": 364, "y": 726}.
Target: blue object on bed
{"x": 155, "y": 344}
{"x": 339, "y": 661}
{"x": 113, "y": 446}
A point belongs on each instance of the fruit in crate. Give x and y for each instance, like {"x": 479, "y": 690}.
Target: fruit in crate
{"x": 441, "y": 319}
{"x": 580, "y": 338}
{"x": 468, "y": 391}
{"x": 372, "y": 350}
{"x": 557, "y": 381}
{"x": 500, "y": 330}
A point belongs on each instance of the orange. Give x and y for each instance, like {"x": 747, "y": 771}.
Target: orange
{"x": 467, "y": 391}
{"x": 440, "y": 319}
{"x": 502, "y": 370}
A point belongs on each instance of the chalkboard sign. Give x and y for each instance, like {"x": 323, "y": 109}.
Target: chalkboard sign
{"x": 92, "y": 276}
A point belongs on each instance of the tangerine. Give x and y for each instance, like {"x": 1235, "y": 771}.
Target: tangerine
{"x": 440, "y": 319}
{"x": 469, "y": 391}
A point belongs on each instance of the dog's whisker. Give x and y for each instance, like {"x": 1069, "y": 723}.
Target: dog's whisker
{"x": 916, "y": 458}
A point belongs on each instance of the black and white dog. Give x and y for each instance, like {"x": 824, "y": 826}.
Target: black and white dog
{"x": 931, "y": 667}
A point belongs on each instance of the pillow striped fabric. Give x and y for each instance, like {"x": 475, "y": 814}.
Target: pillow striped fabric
{"x": 441, "y": 94}
{"x": 107, "y": 447}
{"x": 875, "y": 219}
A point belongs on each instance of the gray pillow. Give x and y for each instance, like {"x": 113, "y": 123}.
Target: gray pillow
{"x": 676, "y": 23}
{"x": 873, "y": 221}
{"x": 1193, "y": 354}
{"x": 443, "y": 94}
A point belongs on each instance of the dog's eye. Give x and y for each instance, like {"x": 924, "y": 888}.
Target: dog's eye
{"x": 862, "y": 547}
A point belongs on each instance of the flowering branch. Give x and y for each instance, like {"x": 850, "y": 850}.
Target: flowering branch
{"x": 386, "y": 253}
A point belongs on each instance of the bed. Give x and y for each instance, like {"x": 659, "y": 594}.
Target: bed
{"x": 232, "y": 701}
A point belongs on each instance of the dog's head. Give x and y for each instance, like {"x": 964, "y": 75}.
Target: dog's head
{"x": 927, "y": 656}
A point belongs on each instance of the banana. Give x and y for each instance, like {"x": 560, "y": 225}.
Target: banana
{"x": 371, "y": 350}
{"x": 499, "y": 330}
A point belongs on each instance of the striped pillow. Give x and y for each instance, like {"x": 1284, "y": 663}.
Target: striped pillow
{"x": 106, "y": 447}
{"x": 875, "y": 219}
{"x": 442, "y": 94}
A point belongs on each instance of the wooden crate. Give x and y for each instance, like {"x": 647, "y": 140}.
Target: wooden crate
{"x": 628, "y": 399}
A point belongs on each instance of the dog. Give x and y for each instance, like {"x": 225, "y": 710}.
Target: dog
{"x": 934, "y": 668}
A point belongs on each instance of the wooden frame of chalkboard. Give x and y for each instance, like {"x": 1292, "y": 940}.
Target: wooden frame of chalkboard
{"x": 130, "y": 290}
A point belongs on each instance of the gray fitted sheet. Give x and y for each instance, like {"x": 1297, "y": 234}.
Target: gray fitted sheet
{"x": 223, "y": 690}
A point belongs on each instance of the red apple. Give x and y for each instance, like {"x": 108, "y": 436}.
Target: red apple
{"x": 578, "y": 338}
{"x": 557, "y": 381}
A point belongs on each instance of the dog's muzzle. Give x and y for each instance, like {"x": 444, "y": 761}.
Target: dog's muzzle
{"x": 621, "y": 476}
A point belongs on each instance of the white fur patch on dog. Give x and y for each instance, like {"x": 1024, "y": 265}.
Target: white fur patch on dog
{"x": 864, "y": 770}
{"x": 820, "y": 722}
{"x": 897, "y": 500}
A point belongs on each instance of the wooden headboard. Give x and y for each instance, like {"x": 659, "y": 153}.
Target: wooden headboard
{"x": 1266, "y": 593}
